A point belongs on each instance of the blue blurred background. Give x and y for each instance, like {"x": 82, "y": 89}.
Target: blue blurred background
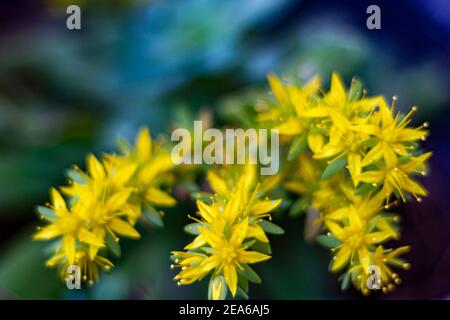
{"x": 66, "y": 93}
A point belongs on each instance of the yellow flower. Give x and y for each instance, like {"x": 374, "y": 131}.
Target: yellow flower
{"x": 392, "y": 135}
{"x": 345, "y": 129}
{"x": 349, "y": 104}
{"x": 104, "y": 204}
{"x": 152, "y": 165}
{"x": 103, "y": 199}
{"x": 356, "y": 240}
{"x": 228, "y": 254}
{"x": 397, "y": 176}
{"x": 295, "y": 111}
{"x": 346, "y": 134}
{"x": 101, "y": 181}
{"x": 89, "y": 268}
{"x": 385, "y": 260}
{"x": 223, "y": 180}
{"x": 291, "y": 100}
{"x": 235, "y": 214}
{"x": 345, "y": 141}
{"x": 97, "y": 210}
{"x": 69, "y": 225}
{"x": 239, "y": 191}
{"x": 321, "y": 194}
{"x": 367, "y": 205}
{"x": 192, "y": 266}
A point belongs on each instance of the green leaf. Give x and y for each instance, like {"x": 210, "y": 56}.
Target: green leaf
{"x": 330, "y": 265}
{"x": 226, "y": 230}
{"x": 370, "y": 142}
{"x": 249, "y": 273}
{"x": 270, "y": 227}
{"x": 248, "y": 244}
{"x": 355, "y": 91}
{"x": 345, "y": 281}
{"x": 263, "y": 247}
{"x": 153, "y": 216}
{"x": 203, "y": 196}
{"x": 46, "y": 212}
{"x": 364, "y": 188}
{"x": 373, "y": 222}
{"x": 241, "y": 293}
{"x": 243, "y": 283}
{"x": 76, "y": 176}
{"x": 113, "y": 245}
{"x": 207, "y": 250}
{"x": 298, "y": 146}
{"x": 123, "y": 145}
{"x": 334, "y": 167}
{"x": 192, "y": 228}
{"x": 328, "y": 241}
{"x": 52, "y": 247}
{"x": 299, "y": 207}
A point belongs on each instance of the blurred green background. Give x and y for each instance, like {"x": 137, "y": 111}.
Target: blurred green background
{"x": 66, "y": 93}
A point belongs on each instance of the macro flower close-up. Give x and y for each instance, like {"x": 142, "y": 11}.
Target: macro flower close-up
{"x": 255, "y": 152}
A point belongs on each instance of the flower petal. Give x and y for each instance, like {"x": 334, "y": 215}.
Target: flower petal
{"x": 90, "y": 238}
{"x": 264, "y": 206}
{"x": 291, "y": 127}
{"x": 341, "y": 258}
{"x": 58, "y": 201}
{"x": 278, "y": 90}
{"x": 159, "y": 197}
{"x": 123, "y": 228}
{"x": 354, "y": 166}
{"x": 143, "y": 144}
{"x": 315, "y": 142}
{"x": 239, "y": 233}
{"x": 68, "y": 244}
{"x": 218, "y": 185}
{"x": 252, "y": 257}
{"x": 230, "y": 274}
{"x": 48, "y": 232}
{"x": 95, "y": 168}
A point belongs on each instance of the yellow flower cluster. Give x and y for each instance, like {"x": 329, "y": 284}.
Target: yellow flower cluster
{"x": 230, "y": 233}
{"x": 349, "y": 157}
{"x": 103, "y": 204}
{"x": 353, "y": 154}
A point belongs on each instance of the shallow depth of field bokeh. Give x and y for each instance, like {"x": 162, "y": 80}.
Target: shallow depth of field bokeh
{"x": 66, "y": 93}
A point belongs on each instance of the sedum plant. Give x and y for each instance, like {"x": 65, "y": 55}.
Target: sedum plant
{"x": 355, "y": 158}
{"x": 103, "y": 204}
{"x": 230, "y": 234}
